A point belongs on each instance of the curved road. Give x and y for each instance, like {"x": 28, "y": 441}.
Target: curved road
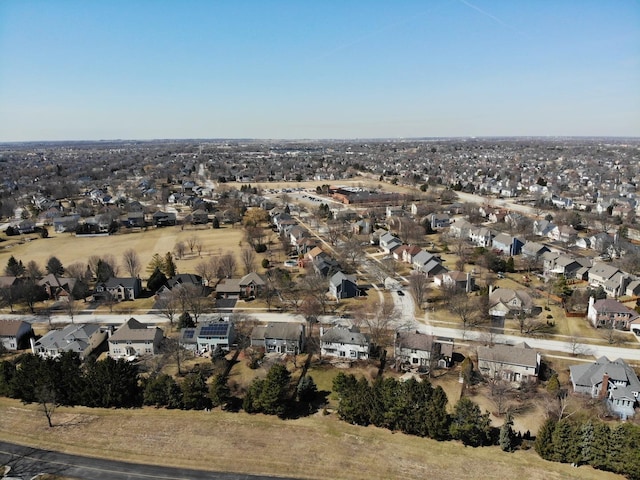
{"x": 28, "y": 462}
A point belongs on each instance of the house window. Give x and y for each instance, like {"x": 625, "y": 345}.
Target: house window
{"x": 413, "y": 350}
{"x": 343, "y": 354}
{"x": 354, "y": 354}
{"x": 414, "y": 360}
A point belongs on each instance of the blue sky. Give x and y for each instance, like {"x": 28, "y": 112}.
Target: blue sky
{"x": 75, "y": 70}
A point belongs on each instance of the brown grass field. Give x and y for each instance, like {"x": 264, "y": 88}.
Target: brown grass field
{"x": 70, "y": 249}
{"x": 316, "y": 447}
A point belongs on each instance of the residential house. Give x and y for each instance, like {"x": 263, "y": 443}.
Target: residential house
{"x": 614, "y": 381}
{"x": 135, "y": 219}
{"x": 600, "y": 273}
{"x": 14, "y": 334}
{"x": 251, "y": 285}
{"x": 563, "y": 233}
{"x": 344, "y": 343}
{"x": 439, "y": 220}
{"x": 505, "y": 302}
{"x": 610, "y": 313}
{"x": 480, "y": 236}
{"x": 388, "y": 242}
{"x": 410, "y": 252}
{"x": 120, "y": 288}
{"x": 199, "y": 217}
{"x": 279, "y": 337}
{"x": 342, "y": 286}
{"x": 57, "y": 288}
{"x": 206, "y": 337}
{"x": 392, "y": 212}
{"x": 460, "y": 228}
{"x": 542, "y": 228}
{"x": 79, "y": 338}
{"x": 534, "y": 249}
{"x": 461, "y": 281}
{"x": 325, "y": 265}
{"x": 164, "y": 219}
{"x": 133, "y": 338}
{"x": 506, "y": 244}
{"x": 513, "y": 363}
{"x": 415, "y": 349}
{"x": 66, "y": 224}
{"x": 433, "y": 268}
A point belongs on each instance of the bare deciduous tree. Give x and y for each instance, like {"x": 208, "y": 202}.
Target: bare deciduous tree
{"x": 179, "y": 249}
{"x": 227, "y": 265}
{"x": 248, "y": 258}
{"x": 208, "y": 269}
{"x": 419, "y": 287}
{"x": 131, "y": 262}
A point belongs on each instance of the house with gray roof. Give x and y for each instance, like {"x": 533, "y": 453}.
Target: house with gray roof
{"x": 80, "y": 338}
{"x": 513, "y": 363}
{"x": 388, "y": 242}
{"x": 279, "y": 337}
{"x": 342, "y": 286}
{"x": 507, "y": 245}
{"x": 206, "y": 337}
{"x": 419, "y": 350}
{"x": 600, "y": 273}
{"x": 344, "y": 343}
{"x": 133, "y": 338}
{"x": 614, "y": 381}
{"x": 120, "y": 288}
{"x": 610, "y": 313}
{"x": 506, "y": 302}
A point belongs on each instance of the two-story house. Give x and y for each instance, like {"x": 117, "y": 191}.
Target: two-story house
{"x": 344, "y": 343}
{"x": 14, "y": 334}
{"x": 133, "y": 338}
{"x": 614, "y": 381}
{"x": 279, "y": 337}
{"x": 414, "y": 349}
{"x": 80, "y": 338}
{"x": 513, "y": 363}
{"x": 610, "y": 313}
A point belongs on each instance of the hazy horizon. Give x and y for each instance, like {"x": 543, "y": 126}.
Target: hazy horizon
{"x": 143, "y": 70}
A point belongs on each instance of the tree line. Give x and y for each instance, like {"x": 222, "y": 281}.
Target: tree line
{"x": 591, "y": 442}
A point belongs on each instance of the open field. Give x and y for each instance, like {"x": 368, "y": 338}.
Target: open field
{"x": 317, "y": 447}
{"x": 69, "y": 248}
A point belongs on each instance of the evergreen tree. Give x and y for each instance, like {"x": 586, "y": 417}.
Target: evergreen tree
{"x": 250, "y": 401}
{"x": 14, "y": 267}
{"x": 599, "y": 452}
{"x": 185, "y": 321}
{"x": 469, "y": 425}
{"x": 103, "y": 271}
{"x": 162, "y": 391}
{"x": 54, "y": 266}
{"x": 215, "y": 223}
{"x": 506, "y": 434}
{"x": 566, "y": 447}
{"x": 273, "y": 397}
{"x": 112, "y": 383}
{"x": 587, "y": 436}
{"x": 170, "y": 268}
{"x": 195, "y": 394}
{"x": 544, "y": 440}
{"x": 219, "y": 392}
{"x": 437, "y": 417}
{"x": 307, "y": 389}
{"x": 156, "y": 280}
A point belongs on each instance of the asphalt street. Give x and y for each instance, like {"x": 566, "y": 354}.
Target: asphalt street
{"x": 26, "y": 462}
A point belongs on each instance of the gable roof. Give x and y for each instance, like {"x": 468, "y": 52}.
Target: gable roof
{"x": 349, "y": 336}
{"x": 520, "y": 354}
{"x": 279, "y": 330}
{"x": 11, "y": 328}
{"x": 133, "y": 330}
{"x": 251, "y": 277}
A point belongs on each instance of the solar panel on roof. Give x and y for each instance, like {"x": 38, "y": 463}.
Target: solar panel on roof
{"x": 189, "y": 333}
{"x": 214, "y": 329}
